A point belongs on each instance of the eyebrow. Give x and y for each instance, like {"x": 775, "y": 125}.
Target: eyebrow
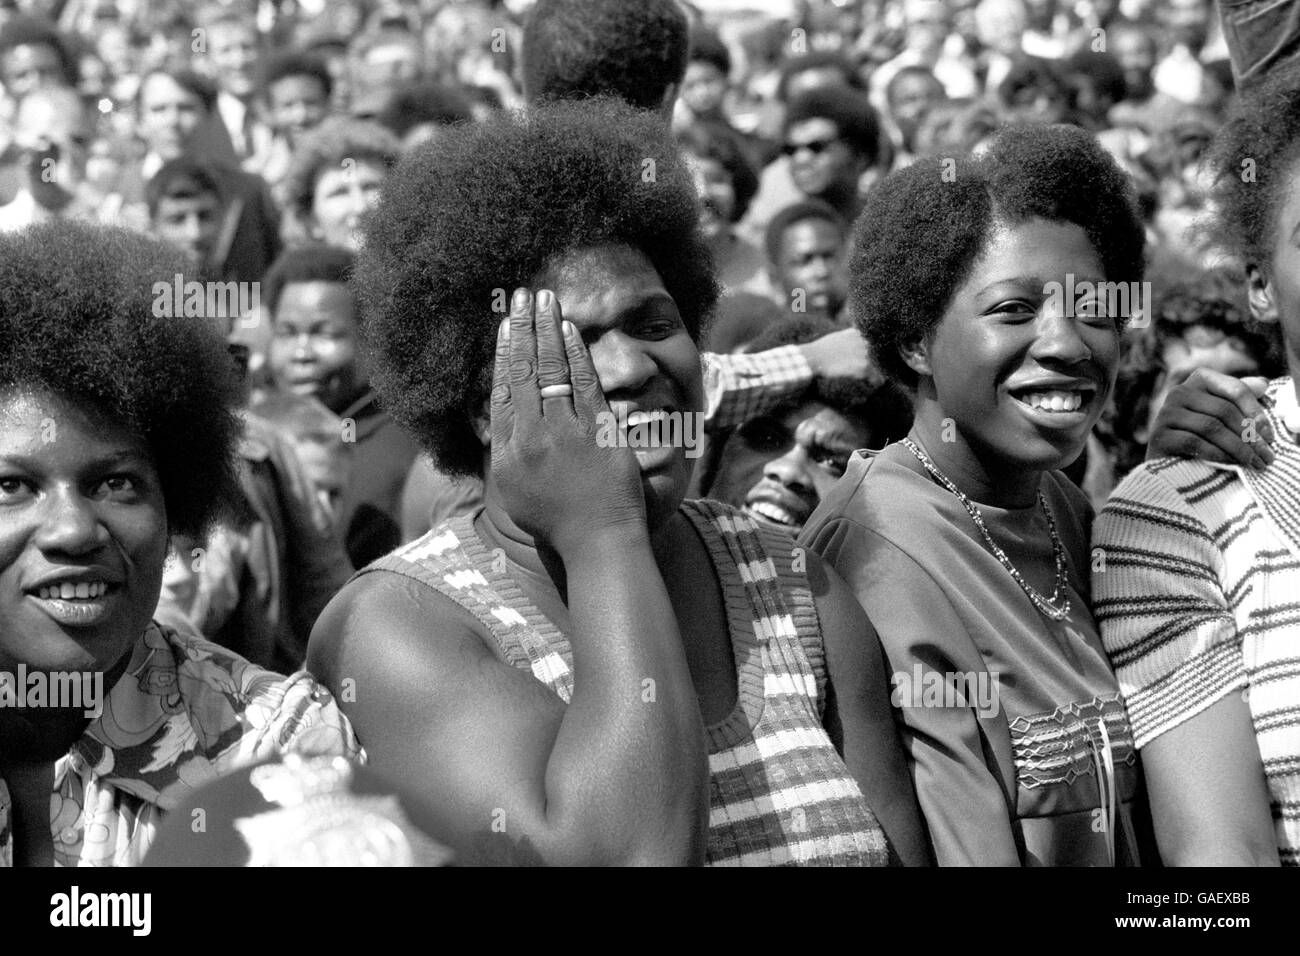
{"x": 104, "y": 463}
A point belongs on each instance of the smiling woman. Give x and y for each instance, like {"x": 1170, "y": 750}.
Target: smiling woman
{"x": 964, "y": 543}
{"x": 116, "y": 430}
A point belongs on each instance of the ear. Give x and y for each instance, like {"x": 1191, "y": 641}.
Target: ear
{"x": 669, "y": 100}
{"x": 917, "y": 356}
{"x": 1263, "y": 300}
{"x": 480, "y": 420}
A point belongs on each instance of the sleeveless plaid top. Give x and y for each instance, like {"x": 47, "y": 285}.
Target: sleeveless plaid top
{"x": 779, "y": 794}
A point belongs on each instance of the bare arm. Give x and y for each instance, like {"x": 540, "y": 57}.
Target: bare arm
{"x": 1209, "y": 799}
{"x": 859, "y": 716}
{"x": 617, "y": 776}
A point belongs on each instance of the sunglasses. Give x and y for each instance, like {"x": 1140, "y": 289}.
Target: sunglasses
{"x": 816, "y": 147}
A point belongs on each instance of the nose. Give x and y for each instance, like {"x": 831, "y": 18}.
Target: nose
{"x": 622, "y": 364}
{"x": 1058, "y": 338}
{"x": 790, "y": 470}
{"x": 69, "y": 524}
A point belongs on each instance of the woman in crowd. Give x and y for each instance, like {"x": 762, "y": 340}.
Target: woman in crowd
{"x": 589, "y": 669}
{"x": 333, "y": 181}
{"x": 1197, "y": 606}
{"x": 117, "y": 430}
{"x": 964, "y": 543}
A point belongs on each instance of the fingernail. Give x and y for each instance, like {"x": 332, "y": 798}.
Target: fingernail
{"x": 544, "y": 299}
{"x": 520, "y": 300}
{"x": 504, "y": 331}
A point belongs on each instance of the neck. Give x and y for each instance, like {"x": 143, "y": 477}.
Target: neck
{"x": 499, "y": 530}
{"x": 981, "y": 475}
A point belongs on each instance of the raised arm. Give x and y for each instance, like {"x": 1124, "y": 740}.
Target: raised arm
{"x": 739, "y": 387}
{"x": 619, "y": 775}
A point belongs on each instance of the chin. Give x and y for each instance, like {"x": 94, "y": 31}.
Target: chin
{"x": 664, "y": 493}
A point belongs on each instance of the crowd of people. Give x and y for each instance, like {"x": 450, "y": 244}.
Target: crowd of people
{"x": 651, "y": 432}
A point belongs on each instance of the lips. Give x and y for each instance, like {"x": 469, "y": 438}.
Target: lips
{"x": 1056, "y": 403}
{"x": 773, "y": 508}
{"x": 84, "y": 604}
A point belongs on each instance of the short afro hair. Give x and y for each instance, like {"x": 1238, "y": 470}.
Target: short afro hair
{"x": 579, "y": 48}
{"x": 707, "y": 47}
{"x": 287, "y": 63}
{"x": 327, "y": 146}
{"x": 883, "y": 407}
{"x": 799, "y": 212}
{"x": 77, "y": 320}
{"x": 817, "y": 60}
{"x": 851, "y": 112}
{"x": 1254, "y": 158}
{"x": 718, "y": 142}
{"x": 481, "y": 210}
{"x": 924, "y": 226}
{"x": 312, "y": 263}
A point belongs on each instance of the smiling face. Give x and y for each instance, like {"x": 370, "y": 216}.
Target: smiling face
{"x": 83, "y": 536}
{"x": 1022, "y": 381}
{"x": 644, "y": 356}
{"x": 343, "y": 195}
{"x": 314, "y": 343}
{"x": 778, "y": 467}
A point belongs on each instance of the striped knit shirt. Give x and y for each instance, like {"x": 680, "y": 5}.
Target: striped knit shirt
{"x": 1197, "y": 590}
{"x": 779, "y": 794}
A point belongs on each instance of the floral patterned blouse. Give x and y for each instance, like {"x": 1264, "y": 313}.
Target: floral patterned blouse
{"x": 185, "y": 712}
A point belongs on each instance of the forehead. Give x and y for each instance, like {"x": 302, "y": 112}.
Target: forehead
{"x": 812, "y": 417}
{"x": 314, "y": 297}
{"x": 179, "y": 205}
{"x": 28, "y": 55}
{"x": 160, "y": 88}
{"x": 815, "y": 127}
{"x": 810, "y": 233}
{"x": 295, "y": 84}
{"x": 596, "y": 284}
{"x": 1038, "y": 250}
{"x": 39, "y": 423}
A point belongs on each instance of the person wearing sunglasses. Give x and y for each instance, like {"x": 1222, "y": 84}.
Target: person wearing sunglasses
{"x": 832, "y": 147}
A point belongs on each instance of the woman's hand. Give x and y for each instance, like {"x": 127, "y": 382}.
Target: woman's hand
{"x": 1214, "y": 417}
{"x": 554, "y": 477}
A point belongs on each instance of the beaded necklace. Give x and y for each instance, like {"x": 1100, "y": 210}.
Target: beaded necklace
{"x": 1052, "y": 607}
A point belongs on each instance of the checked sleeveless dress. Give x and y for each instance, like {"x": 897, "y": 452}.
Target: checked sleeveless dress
{"x": 779, "y": 794}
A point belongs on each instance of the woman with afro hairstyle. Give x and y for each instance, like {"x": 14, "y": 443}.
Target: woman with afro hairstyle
{"x": 117, "y": 430}
{"x": 1199, "y": 611}
{"x": 977, "y": 283}
{"x": 588, "y": 668}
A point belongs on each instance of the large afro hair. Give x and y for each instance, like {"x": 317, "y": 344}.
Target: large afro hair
{"x": 77, "y": 321}
{"x": 481, "y": 210}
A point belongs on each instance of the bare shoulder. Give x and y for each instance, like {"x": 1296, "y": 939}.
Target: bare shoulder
{"x": 388, "y": 620}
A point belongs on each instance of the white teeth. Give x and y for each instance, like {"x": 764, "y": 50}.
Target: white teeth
{"x": 639, "y": 417}
{"x": 66, "y": 591}
{"x": 1058, "y": 401}
{"x": 773, "y": 512}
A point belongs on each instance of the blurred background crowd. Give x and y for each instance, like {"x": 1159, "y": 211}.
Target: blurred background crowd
{"x": 254, "y": 136}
